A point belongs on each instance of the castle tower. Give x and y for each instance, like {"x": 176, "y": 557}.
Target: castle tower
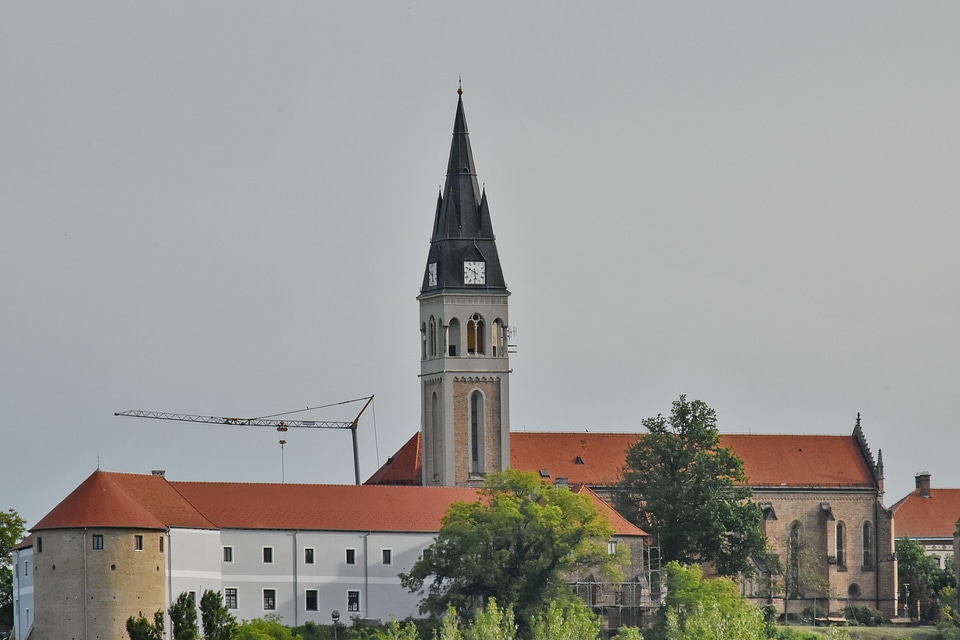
{"x": 464, "y": 366}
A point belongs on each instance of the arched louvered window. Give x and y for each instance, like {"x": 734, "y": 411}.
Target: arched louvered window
{"x": 475, "y": 329}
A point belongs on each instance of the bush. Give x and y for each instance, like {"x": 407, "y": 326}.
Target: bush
{"x": 948, "y": 631}
{"x": 867, "y": 616}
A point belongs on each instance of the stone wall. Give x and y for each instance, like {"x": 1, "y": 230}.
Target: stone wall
{"x": 82, "y": 593}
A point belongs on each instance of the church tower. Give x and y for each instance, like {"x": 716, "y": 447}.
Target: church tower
{"x": 464, "y": 366}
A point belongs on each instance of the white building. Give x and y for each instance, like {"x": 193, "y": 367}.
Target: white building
{"x": 23, "y": 609}
{"x": 124, "y": 545}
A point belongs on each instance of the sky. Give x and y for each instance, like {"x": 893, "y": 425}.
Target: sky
{"x": 224, "y": 209}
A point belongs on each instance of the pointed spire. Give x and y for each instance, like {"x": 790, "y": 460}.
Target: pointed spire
{"x": 462, "y": 229}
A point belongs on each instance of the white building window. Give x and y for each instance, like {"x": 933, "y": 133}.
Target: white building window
{"x": 308, "y": 555}
{"x": 351, "y": 556}
{"x": 353, "y": 601}
{"x": 230, "y": 598}
{"x": 228, "y": 554}
{"x": 269, "y": 599}
{"x": 267, "y": 555}
{"x": 386, "y": 555}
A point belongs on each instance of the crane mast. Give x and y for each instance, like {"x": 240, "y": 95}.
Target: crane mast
{"x": 279, "y": 425}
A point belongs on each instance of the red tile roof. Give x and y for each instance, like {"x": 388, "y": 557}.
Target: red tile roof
{"x": 102, "y": 501}
{"x": 403, "y": 467}
{"x": 801, "y": 460}
{"x": 933, "y": 517}
{"x": 323, "y": 507}
{"x": 122, "y": 500}
{"x": 595, "y": 459}
{"x": 621, "y": 526}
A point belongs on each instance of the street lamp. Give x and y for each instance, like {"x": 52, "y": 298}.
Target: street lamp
{"x": 336, "y": 618}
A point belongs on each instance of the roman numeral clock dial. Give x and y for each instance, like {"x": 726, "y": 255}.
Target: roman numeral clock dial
{"x": 474, "y": 272}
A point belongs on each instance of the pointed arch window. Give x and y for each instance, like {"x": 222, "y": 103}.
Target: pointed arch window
{"x": 423, "y": 341}
{"x": 436, "y": 452}
{"x": 475, "y": 328}
{"x": 793, "y": 561}
{"x": 477, "y": 434}
{"x": 498, "y": 338}
{"x": 454, "y": 337}
{"x": 868, "y": 546}
{"x": 432, "y": 337}
{"x": 841, "y": 546}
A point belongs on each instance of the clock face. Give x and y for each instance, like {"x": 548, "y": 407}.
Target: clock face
{"x": 474, "y": 272}
{"x": 432, "y": 274}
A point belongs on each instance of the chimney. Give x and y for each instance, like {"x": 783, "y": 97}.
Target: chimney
{"x": 160, "y": 472}
{"x": 923, "y": 483}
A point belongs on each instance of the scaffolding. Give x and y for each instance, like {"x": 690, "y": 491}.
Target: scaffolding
{"x": 634, "y": 603}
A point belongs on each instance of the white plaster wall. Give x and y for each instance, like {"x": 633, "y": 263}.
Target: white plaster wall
{"x": 381, "y": 596}
{"x": 194, "y": 562}
{"x": 23, "y": 611}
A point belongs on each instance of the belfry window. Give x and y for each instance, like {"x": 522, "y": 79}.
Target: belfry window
{"x": 498, "y": 339}
{"x": 475, "y": 327}
{"x": 432, "y": 337}
{"x": 423, "y": 341}
{"x": 454, "y": 337}
{"x": 477, "y": 434}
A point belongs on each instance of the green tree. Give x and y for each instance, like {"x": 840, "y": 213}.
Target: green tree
{"x": 569, "y": 620}
{"x": 514, "y": 545}
{"x": 697, "y": 609}
{"x": 925, "y": 579}
{"x": 395, "y": 631}
{"x": 183, "y": 618}
{"x": 11, "y": 532}
{"x": 492, "y": 623}
{"x": 218, "y": 622}
{"x": 268, "y": 628}
{"x": 142, "y": 629}
{"x": 681, "y": 486}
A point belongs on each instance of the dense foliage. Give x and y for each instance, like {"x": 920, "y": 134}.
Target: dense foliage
{"x": 268, "y": 628}
{"x": 11, "y": 532}
{"x": 218, "y": 622}
{"x": 696, "y": 609}
{"x": 142, "y": 629}
{"x": 689, "y": 493}
{"x": 571, "y": 620}
{"x": 183, "y": 618}
{"x": 925, "y": 579}
{"x": 513, "y": 545}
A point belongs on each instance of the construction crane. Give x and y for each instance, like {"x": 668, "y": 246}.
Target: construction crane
{"x": 279, "y": 425}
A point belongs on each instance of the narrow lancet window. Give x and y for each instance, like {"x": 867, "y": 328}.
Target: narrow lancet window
{"x": 477, "y": 434}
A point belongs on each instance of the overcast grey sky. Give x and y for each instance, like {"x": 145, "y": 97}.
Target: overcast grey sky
{"x": 224, "y": 208}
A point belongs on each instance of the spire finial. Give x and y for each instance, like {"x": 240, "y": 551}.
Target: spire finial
{"x": 858, "y": 418}
{"x": 459, "y": 85}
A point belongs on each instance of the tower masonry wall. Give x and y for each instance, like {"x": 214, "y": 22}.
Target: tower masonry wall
{"x": 85, "y": 593}
{"x": 490, "y": 388}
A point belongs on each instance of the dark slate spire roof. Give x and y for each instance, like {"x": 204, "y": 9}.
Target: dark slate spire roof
{"x": 461, "y": 228}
